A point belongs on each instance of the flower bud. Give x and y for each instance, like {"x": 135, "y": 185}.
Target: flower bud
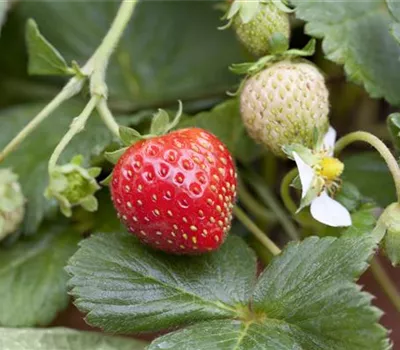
{"x": 72, "y": 185}
{"x": 12, "y": 203}
{"x": 285, "y": 104}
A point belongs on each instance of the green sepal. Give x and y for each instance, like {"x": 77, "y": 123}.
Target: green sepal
{"x": 177, "y": 117}
{"x": 90, "y": 204}
{"x": 114, "y": 156}
{"x": 317, "y": 139}
{"x": 94, "y": 172}
{"x": 304, "y": 153}
{"x": 77, "y": 159}
{"x": 252, "y": 68}
{"x": 245, "y": 9}
{"x": 159, "y": 122}
{"x": 278, "y": 43}
{"x": 107, "y": 180}
{"x": 43, "y": 57}
{"x": 161, "y": 125}
{"x": 315, "y": 190}
{"x": 129, "y": 135}
{"x": 296, "y": 183}
{"x": 281, "y": 5}
{"x": 306, "y": 51}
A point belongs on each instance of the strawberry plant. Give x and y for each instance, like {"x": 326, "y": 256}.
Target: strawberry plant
{"x": 245, "y": 221}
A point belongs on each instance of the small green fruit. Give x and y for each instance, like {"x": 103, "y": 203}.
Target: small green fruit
{"x": 256, "y": 34}
{"x": 285, "y": 104}
{"x": 12, "y": 203}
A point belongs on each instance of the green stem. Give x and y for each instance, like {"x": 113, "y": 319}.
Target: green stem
{"x": 107, "y": 47}
{"x": 95, "y": 67}
{"x": 251, "y": 204}
{"x": 253, "y": 228}
{"x": 379, "y": 146}
{"x": 269, "y": 168}
{"x": 269, "y": 199}
{"x": 107, "y": 117}
{"x": 70, "y": 90}
{"x": 77, "y": 125}
{"x": 302, "y": 218}
{"x": 386, "y": 283}
{"x": 285, "y": 191}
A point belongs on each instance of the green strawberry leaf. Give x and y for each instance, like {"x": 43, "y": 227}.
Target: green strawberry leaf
{"x": 393, "y": 123}
{"x": 367, "y": 169}
{"x": 319, "y": 274}
{"x": 230, "y": 335}
{"x": 148, "y": 69}
{"x": 225, "y": 122}
{"x": 30, "y": 160}
{"x": 125, "y": 287}
{"x": 346, "y": 27}
{"x": 349, "y": 196}
{"x": 33, "y": 284}
{"x": 44, "y": 59}
{"x": 63, "y": 339}
{"x": 305, "y": 299}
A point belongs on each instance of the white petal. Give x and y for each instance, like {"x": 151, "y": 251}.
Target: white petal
{"x": 329, "y": 140}
{"x": 306, "y": 174}
{"x": 330, "y": 212}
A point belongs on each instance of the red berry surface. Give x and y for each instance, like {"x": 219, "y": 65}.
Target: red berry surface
{"x": 176, "y": 192}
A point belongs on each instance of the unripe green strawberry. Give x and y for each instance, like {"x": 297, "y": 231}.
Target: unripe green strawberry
{"x": 255, "y": 35}
{"x": 12, "y": 203}
{"x": 284, "y": 104}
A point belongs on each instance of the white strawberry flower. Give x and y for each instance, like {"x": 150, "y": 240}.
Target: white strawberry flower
{"x": 319, "y": 173}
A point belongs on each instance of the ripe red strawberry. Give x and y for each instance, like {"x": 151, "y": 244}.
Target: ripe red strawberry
{"x": 176, "y": 192}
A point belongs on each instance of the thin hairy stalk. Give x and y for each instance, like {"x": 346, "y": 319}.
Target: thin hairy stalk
{"x": 253, "y": 228}
{"x": 379, "y": 146}
{"x": 107, "y": 117}
{"x": 271, "y": 201}
{"x": 386, "y": 283}
{"x": 253, "y": 205}
{"x": 77, "y": 126}
{"x": 95, "y": 68}
{"x": 72, "y": 88}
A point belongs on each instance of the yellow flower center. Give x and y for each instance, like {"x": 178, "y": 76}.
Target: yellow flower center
{"x": 330, "y": 168}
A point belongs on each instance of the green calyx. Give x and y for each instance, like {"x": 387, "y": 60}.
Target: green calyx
{"x": 160, "y": 125}
{"x": 72, "y": 185}
{"x": 391, "y": 241}
{"x": 280, "y": 53}
{"x": 12, "y": 203}
{"x": 248, "y": 10}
